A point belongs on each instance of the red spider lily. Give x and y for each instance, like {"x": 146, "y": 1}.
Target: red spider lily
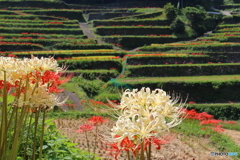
{"x": 54, "y": 89}
{"x": 121, "y": 76}
{"x": 230, "y": 122}
{"x": 97, "y": 120}
{"x": 164, "y": 35}
{"x": 204, "y": 116}
{"x": 125, "y": 144}
{"x": 157, "y": 142}
{"x": 12, "y": 55}
{"x": 206, "y": 119}
{"x": 218, "y": 128}
{"x": 192, "y": 114}
{"x": 59, "y": 58}
{"x": 31, "y": 110}
{"x": 96, "y": 102}
{"x": 210, "y": 121}
{"x": 128, "y": 145}
{"x": 51, "y": 78}
{"x": 54, "y": 80}
{"x": 8, "y": 86}
{"x": 114, "y": 151}
{"x": 191, "y": 102}
{"x": 85, "y": 128}
{"x": 18, "y": 43}
{"x": 25, "y": 38}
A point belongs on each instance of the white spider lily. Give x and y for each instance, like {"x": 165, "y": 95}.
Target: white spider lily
{"x": 145, "y": 114}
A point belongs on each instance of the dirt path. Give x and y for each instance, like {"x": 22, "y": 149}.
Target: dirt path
{"x": 88, "y": 31}
{"x": 73, "y": 98}
{"x": 226, "y": 13}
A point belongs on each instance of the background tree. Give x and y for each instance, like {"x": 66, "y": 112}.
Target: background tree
{"x": 170, "y": 11}
{"x": 177, "y": 26}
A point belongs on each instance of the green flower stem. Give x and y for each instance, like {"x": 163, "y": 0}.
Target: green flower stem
{"x": 28, "y": 133}
{"x": 149, "y": 150}
{"x": 35, "y": 133}
{"x": 42, "y": 134}
{"x": 87, "y": 142}
{"x": 3, "y": 133}
{"x": 137, "y": 156}
{"x": 128, "y": 155}
{"x": 19, "y": 133}
{"x": 95, "y": 140}
{"x": 142, "y": 151}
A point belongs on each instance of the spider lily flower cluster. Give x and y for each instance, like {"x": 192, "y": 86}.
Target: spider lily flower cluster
{"x": 33, "y": 81}
{"x": 33, "y": 84}
{"x": 94, "y": 123}
{"x": 144, "y": 116}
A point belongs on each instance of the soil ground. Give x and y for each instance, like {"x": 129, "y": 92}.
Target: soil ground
{"x": 180, "y": 148}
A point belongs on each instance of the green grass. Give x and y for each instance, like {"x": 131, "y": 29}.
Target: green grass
{"x": 219, "y": 141}
{"x": 74, "y": 114}
{"x": 147, "y": 10}
{"x": 232, "y": 126}
{"x": 221, "y": 78}
{"x": 228, "y": 2}
{"x": 71, "y": 86}
{"x": 10, "y": 99}
{"x": 95, "y": 57}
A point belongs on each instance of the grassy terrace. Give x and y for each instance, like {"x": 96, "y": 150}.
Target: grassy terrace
{"x": 41, "y": 21}
{"x": 29, "y": 17}
{"x": 133, "y": 30}
{"x": 82, "y": 52}
{"x": 220, "y": 78}
{"x": 129, "y": 22}
{"x": 39, "y": 25}
{"x": 43, "y": 35}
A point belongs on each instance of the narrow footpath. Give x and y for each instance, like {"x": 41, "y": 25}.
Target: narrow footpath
{"x": 89, "y": 33}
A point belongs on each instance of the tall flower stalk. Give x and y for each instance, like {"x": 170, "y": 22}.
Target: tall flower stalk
{"x": 33, "y": 84}
{"x": 143, "y": 116}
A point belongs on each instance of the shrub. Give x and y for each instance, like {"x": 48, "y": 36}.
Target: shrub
{"x": 194, "y": 15}
{"x": 104, "y": 75}
{"x": 90, "y": 87}
{"x": 57, "y": 146}
{"x": 170, "y": 11}
{"x": 177, "y": 26}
